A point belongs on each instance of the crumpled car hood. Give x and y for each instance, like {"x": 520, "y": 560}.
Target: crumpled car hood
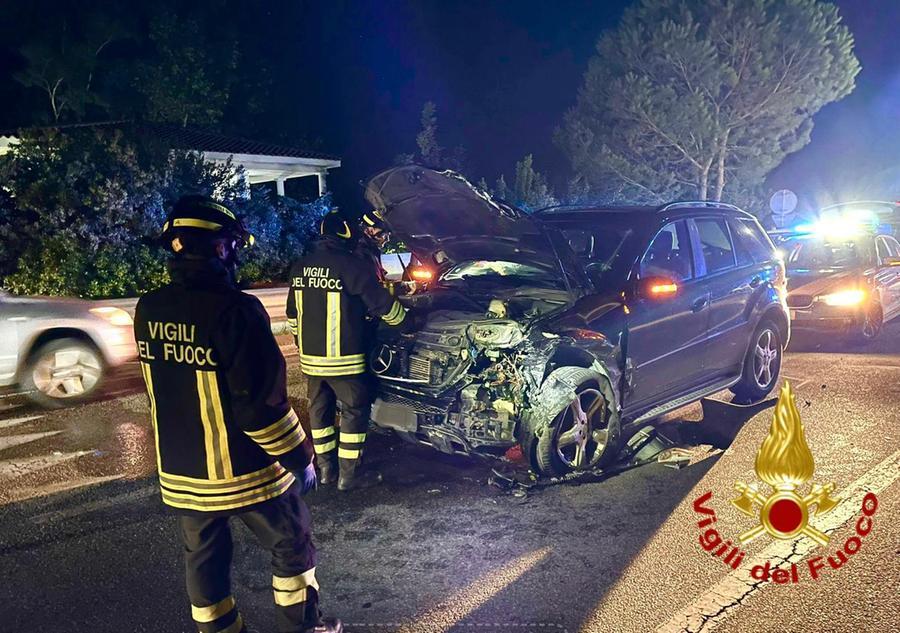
{"x": 441, "y": 212}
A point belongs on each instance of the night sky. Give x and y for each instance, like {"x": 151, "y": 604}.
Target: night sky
{"x": 352, "y": 76}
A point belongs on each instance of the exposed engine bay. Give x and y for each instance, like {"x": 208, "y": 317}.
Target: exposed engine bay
{"x": 467, "y": 373}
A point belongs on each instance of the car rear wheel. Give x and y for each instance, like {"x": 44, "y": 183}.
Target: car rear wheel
{"x": 584, "y": 435}
{"x": 62, "y": 372}
{"x": 873, "y": 322}
{"x": 762, "y": 365}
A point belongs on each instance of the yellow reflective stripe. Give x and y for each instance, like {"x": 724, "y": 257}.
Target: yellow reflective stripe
{"x": 333, "y": 325}
{"x": 322, "y": 361}
{"x": 396, "y": 314}
{"x": 290, "y": 598}
{"x": 349, "y": 370}
{"x": 289, "y": 443}
{"x": 208, "y": 441}
{"x": 196, "y": 223}
{"x": 324, "y": 448}
{"x": 347, "y": 453}
{"x": 293, "y": 583}
{"x": 236, "y": 484}
{"x": 217, "y": 207}
{"x": 241, "y": 478}
{"x": 276, "y": 429}
{"x": 148, "y": 380}
{"x": 212, "y": 612}
{"x": 228, "y": 502}
{"x": 212, "y": 380}
{"x": 298, "y": 301}
{"x": 354, "y": 438}
{"x": 320, "y": 433}
{"x": 213, "y": 428}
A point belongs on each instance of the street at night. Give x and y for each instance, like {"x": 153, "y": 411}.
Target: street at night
{"x": 416, "y": 316}
{"x": 439, "y": 549}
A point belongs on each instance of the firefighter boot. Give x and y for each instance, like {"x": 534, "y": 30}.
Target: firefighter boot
{"x": 352, "y": 478}
{"x": 328, "y": 469}
{"x": 326, "y": 625}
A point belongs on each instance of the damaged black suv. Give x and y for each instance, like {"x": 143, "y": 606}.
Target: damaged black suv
{"x": 561, "y": 330}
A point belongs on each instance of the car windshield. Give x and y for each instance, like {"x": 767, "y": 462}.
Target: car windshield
{"x": 605, "y": 251}
{"x": 810, "y": 253}
{"x": 498, "y": 269}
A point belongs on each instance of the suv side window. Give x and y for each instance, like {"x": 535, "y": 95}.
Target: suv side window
{"x": 885, "y": 249}
{"x": 669, "y": 254}
{"x": 741, "y": 244}
{"x": 752, "y": 236}
{"x": 716, "y": 244}
{"x": 893, "y": 246}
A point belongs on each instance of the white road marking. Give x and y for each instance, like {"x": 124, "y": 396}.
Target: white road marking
{"x": 5, "y": 424}
{"x": 63, "y": 486}
{"x": 16, "y": 440}
{"x": 446, "y": 615}
{"x": 12, "y": 468}
{"x": 101, "y": 504}
{"x": 730, "y": 593}
{"x": 796, "y": 383}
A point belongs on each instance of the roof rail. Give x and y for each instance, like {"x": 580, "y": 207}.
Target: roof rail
{"x": 681, "y": 204}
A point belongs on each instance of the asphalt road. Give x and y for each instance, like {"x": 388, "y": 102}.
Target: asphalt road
{"x": 86, "y": 545}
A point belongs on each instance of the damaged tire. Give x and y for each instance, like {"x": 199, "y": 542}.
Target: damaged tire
{"x": 583, "y": 436}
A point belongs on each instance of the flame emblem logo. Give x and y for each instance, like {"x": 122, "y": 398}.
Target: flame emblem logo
{"x": 785, "y": 462}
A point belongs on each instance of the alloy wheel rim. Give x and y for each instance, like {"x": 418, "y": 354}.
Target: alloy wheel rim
{"x": 66, "y": 373}
{"x": 872, "y": 323}
{"x": 765, "y": 358}
{"x": 583, "y": 433}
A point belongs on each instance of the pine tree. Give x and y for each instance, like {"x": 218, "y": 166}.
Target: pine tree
{"x": 702, "y": 98}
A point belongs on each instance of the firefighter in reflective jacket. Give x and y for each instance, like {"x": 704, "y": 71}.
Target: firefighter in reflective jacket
{"x": 371, "y": 243}
{"x": 228, "y": 442}
{"x": 332, "y": 292}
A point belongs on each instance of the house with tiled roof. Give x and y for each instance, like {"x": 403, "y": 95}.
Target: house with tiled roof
{"x": 262, "y": 162}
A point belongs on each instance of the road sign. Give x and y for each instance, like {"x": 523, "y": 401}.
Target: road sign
{"x": 783, "y": 202}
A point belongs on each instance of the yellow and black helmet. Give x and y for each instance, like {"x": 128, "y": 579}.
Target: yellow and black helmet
{"x": 200, "y": 214}
{"x": 334, "y": 225}
{"x": 373, "y": 219}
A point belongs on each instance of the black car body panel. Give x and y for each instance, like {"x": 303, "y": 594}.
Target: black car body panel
{"x": 499, "y": 356}
{"x": 866, "y": 262}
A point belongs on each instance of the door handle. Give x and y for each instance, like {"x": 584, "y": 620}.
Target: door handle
{"x": 755, "y": 282}
{"x": 699, "y": 304}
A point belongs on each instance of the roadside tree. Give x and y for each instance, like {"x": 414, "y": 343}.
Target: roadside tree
{"x": 703, "y": 99}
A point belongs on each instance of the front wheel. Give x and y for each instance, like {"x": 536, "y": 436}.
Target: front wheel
{"x": 584, "y": 435}
{"x": 61, "y": 372}
{"x": 762, "y": 365}
{"x": 873, "y": 322}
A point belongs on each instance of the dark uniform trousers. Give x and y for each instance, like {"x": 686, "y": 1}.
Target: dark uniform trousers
{"x": 282, "y": 526}
{"x": 355, "y": 396}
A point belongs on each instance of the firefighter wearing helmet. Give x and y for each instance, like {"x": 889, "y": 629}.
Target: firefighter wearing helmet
{"x": 228, "y": 442}
{"x": 333, "y": 291}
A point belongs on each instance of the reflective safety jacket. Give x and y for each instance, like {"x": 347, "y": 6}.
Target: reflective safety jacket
{"x": 226, "y": 435}
{"x": 332, "y": 291}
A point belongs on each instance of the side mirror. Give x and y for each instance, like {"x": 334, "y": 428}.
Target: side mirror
{"x": 891, "y": 261}
{"x": 657, "y": 288}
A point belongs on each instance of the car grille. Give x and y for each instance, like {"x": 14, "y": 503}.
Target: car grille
{"x": 799, "y": 301}
{"x": 415, "y": 405}
{"x": 420, "y": 368}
